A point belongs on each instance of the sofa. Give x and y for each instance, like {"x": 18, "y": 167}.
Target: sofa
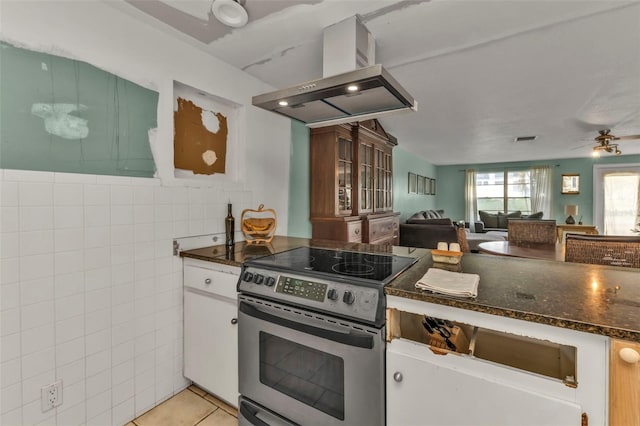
{"x": 427, "y": 228}
{"x": 500, "y": 221}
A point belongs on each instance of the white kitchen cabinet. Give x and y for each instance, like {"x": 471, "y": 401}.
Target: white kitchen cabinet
{"x": 478, "y": 386}
{"x": 210, "y": 327}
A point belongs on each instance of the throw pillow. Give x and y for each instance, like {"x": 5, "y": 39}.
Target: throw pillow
{"x": 490, "y": 220}
{"x": 537, "y": 215}
{"x": 416, "y": 216}
{"x": 503, "y": 219}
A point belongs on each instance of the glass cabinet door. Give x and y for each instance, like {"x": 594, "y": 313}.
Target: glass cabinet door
{"x": 344, "y": 170}
{"x": 366, "y": 178}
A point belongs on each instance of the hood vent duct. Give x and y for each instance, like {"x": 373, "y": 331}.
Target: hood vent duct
{"x": 352, "y": 89}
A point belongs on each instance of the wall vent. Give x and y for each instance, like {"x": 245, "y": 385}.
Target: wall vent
{"x": 525, "y": 138}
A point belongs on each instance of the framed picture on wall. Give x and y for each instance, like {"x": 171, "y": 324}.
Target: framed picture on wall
{"x": 421, "y": 187}
{"x": 412, "y": 183}
{"x": 433, "y": 187}
{"x": 570, "y": 184}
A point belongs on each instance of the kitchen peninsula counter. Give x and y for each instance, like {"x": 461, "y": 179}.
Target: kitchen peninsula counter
{"x": 590, "y": 298}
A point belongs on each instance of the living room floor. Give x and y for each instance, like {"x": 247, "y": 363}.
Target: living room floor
{"x": 193, "y": 406}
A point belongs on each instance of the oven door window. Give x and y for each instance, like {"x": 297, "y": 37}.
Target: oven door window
{"x": 310, "y": 376}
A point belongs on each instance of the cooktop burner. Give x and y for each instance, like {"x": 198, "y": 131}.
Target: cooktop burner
{"x": 375, "y": 267}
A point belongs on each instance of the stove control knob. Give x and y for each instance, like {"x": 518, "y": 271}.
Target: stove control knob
{"x": 348, "y": 298}
{"x": 248, "y": 276}
{"x": 332, "y": 294}
{"x": 258, "y": 279}
{"x": 270, "y": 281}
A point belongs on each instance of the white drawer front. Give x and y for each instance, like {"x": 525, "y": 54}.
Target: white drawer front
{"x": 219, "y": 283}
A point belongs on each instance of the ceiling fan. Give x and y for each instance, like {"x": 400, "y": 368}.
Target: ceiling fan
{"x": 604, "y": 141}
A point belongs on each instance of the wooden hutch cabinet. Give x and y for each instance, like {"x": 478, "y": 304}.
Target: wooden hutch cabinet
{"x": 352, "y": 184}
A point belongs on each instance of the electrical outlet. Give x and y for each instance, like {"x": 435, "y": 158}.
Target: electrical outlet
{"x": 51, "y": 395}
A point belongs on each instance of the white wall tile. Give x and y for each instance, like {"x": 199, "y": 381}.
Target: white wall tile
{"x": 13, "y": 417}
{"x": 73, "y": 393}
{"x": 66, "y": 216}
{"x": 98, "y": 362}
{"x": 9, "y": 270}
{"x": 122, "y": 234}
{"x": 144, "y": 269}
{"x": 162, "y": 195}
{"x": 98, "y": 383}
{"x": 122, "y": 332}
{"x": 145, "y": 326}
{"x": 11, "y": 372}
{"x": 71, "y": 373}
{"x": 36, "y": 315}
{"x": 36, "y": 266}
{"x": 97, "y": 342}
{"x": 33, "y": 415}
{"x": 31, "y": 387}
{"x": 68, "y": 194}
{"x": 97, "y": 321}
{"x": 36, "y": 291}
{"x": 97, "y": 278}
{"x": 122, "y": 372}
{"x": 145, "y": 399}
{"x": 122, "y": 254}
{"x": 11, "y": 397}
{"x": 38, "y": 339}
{"x": 27, "y": 176}
{"x": 124, "y": 411}
{"x": 70, "y": 307}
{"x": 8, "y": 194}
{"x": 144, "y": 251}
{"x": 62, "y": 178}
{"x": 36, "y": 218}
{"x": 74, "y": 415}
{"x": 98, "y": 405}
{"x": 68, "y": 239}
{"x": 122, "y": 392}
{"x": 97, "y": 300}
{"x": 9, "y": 244}
{"x": 113, "y": 180}
{"x": 38, "y": 363}
{"x": 97, "y": 215}
{"x": 145, "y": 379}
{"x": 69, "y": 284}
{"x": 122, "y": 353}
{"x": 121, "y": 214}
{"x": 162, "y": 213}
{"x": 144, "y": 232}
{"x": 9, "y": 296}
{"x": 97, "y": 237}
{"x": 122, "y": 273}
{"x": 97, "y": 257}
{"x": 69, "y": 329}
{"x": 102, "y": 419}
{"x": 36, "y": 242}
{"x": 10, "y": 347}
{"x": 70, "y": 351}
{"x": 35, "y": 194}
{"x": 67, "y": 262}
{"x": 143, "y": 194}
{"x": 97, "y": 195}
{"x": 9, "y": 219}
{"x": 121, "y": 195}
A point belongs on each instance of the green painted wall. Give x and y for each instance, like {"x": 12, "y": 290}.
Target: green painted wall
{"x": 403, "y": 202}
{"x": 451, "y": 179}
{"x": 64, "y": 115}
{"x": 299, "y": 224}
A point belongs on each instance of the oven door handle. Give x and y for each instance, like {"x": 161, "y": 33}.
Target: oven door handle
{"x": 352, "y": 338}
{"x": 250, "y": 415}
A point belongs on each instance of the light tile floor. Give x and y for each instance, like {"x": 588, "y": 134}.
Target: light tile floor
{"x": 191, "y": 407}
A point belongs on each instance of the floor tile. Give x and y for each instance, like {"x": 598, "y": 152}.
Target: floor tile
{"x": 184, "y": 409}
{"x": 219, "y": 418}
{"x": 197, "y": 390}
{"x": 226, "y": 407}
{"x": 130, "y": 424}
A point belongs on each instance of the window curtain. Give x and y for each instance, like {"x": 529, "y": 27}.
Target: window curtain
{"x": 541, "y": 191}
{"x": 470, "y": 199}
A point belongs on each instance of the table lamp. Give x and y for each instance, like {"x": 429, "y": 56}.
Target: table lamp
{"x": 570, "y": 210}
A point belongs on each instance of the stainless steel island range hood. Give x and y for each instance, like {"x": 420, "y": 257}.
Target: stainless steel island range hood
{"x": 359, "y": 93}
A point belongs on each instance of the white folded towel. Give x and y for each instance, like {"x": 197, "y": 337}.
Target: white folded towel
{"x": 451, "y": 283}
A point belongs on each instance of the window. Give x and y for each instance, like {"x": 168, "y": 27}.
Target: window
{"x": 504, "y": 191}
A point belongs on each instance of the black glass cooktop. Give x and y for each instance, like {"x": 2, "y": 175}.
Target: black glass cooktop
{"x": 342, "y": 264}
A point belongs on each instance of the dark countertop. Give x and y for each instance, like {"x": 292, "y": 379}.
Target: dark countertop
{"x": 591, "y": 298}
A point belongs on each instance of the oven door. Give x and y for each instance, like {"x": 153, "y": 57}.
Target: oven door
{"x": 310, "y": 368}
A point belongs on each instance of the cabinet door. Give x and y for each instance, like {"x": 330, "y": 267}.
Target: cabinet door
{"x": 383, "y": 180}
{"x": 345, "y": 176}
{"x": 624, "y": 386}
{"x": 365, "y": 178}
{"x": 426, "y": 393}
{"x": 211, "y": 344}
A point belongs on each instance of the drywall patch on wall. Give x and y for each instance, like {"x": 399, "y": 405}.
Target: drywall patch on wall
{"x": 65, "y": 115}
{"x": 205, "y": 133}
{"x": 196, "y": 146}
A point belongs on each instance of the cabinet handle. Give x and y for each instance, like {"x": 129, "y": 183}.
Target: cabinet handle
{"x": 357, "y": 231}
{"x": 397, "y": 376}
{"x": 234, "y": 321}
{"x": 207, "y": 281}
{"x": 629, "y": 355}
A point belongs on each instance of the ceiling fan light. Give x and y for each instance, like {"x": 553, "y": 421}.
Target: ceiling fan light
{"x": 230, "y": 13}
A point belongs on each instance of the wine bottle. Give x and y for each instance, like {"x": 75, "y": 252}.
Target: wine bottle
{"x": 229, "y": 225}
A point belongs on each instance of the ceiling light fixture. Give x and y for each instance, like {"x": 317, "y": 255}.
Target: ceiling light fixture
{"x": 283, "y": 103}
{"x": 352, "y": 88}
{"x": 230, "y": 12}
